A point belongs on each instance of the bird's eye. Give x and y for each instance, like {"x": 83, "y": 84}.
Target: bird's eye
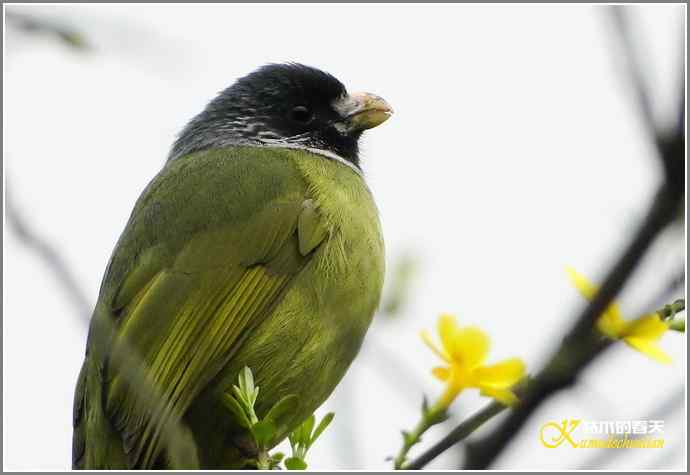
{"x": 301, "y": 114}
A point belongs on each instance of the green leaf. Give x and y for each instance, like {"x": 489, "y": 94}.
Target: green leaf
{"x": 237, "y": 410}
{"x": 241, "y": 397}
{"x": 274, "y": 461}
{"x": 263, "y": 432}
{"x": 307, "y": 427}
{"x": 323, "y": 425}
{"x": 293, "y": 440}
{"x": 246, "y": 380}
{"x": 254, "y": 395}
{"x": 302, "y": 434}
{"x": 294, "y": 463}
{"x": 283, "y": 406}
{"x": 678, "y": 325}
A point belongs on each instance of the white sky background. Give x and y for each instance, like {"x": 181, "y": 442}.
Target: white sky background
{"x": 515, "y": 150}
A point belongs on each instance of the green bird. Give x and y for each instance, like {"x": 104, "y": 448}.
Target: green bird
{"x": 258, "y": 244}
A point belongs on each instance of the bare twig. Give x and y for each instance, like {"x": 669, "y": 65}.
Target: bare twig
{"x": 51, "y": 256}
{"x": 666, "y": 143}
{"x": 466, "y": 428}
{"x": 31, "y": 24}
{"x": 176, "y": 436}
{"x": 580, "y": 347}
{"x": 460, "y": 433}
{"x": 619, "y": 17}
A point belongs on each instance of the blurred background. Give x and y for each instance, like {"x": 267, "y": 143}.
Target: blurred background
{"x": 516, "y": 149}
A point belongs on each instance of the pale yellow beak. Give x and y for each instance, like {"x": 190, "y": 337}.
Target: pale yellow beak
{"x": 362, "y": 110}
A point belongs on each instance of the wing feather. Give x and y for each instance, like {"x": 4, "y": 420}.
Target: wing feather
{"x": 184, "y": 290}
{"x": 189, "y": 338}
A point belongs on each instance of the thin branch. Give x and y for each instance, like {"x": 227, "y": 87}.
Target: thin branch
{"x": 580, "y": 347}
{"x": 51, "y": 256}
{"x": 460, "y": 433}
{"x": 176, "y": 436}
{"x": 32, "y": 24}
{"x": 468, "y": 426}
{"x": 666, "y": 143}
{"x": 619, "y": 15}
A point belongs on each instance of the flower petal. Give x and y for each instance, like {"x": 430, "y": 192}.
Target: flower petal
{"x": 649, "y": 327}
{"x": 469, "y": 347}
{"x": 504, "y": 396}
{"x": 649, "y": 348}
{"x": 441, "y": 373}
{"x": 426, "y": 338}
{"x": 611, "y": 322}
{"x": 587, "y": 289}
{"x": 502, "y": 375}
{"x": 447, "y": 328}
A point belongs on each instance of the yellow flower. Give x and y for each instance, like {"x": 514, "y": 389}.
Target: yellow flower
{"x": 464, "y": 349}
{"x": 641, "y": 334}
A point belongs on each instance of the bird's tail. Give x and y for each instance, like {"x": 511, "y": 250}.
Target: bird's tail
{"x": 95, "y": 443}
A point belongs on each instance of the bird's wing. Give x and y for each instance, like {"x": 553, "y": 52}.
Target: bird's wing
{"x": 184, "y": 308}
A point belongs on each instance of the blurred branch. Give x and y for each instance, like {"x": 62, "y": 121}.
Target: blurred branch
{"x": 460, "y": 433}
{"x": 580, "y": 346}
{"x": 634, "y": 71}
{"x": 31, "y": 24}
{"x": 401, "y": 277}
{"x": 666, "y": 143}
{"x": 176, "y": 437}
{"x": 660, "y": 412}
{"x": 175, "y": 434}
{"x": 50, "y": 255}
{"x": 595, "y": 343}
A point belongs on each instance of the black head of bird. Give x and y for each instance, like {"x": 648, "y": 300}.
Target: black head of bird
{"x": 285, "y": 105}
